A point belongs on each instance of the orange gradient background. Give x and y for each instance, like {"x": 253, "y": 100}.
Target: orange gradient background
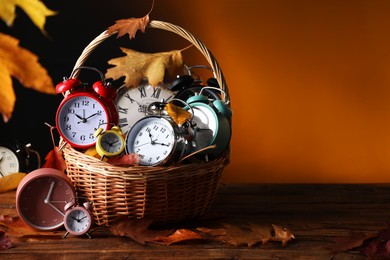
{"x": 309, "y": 83}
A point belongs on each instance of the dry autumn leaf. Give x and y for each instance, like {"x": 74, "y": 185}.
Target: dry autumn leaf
{"x": 178, "y": 114}
{"x": 180, "y": 235}
{"x": 55, "y": 160}
{"x": 15, "y": 227}
{"x": 250, "y": 236}
{"x": 130, "y": 26}
{"x": 11, "y": 181}
{"x": 22, "y": 64}
{"x": 35, "y": 9}
{"x": 138, "y": 230}
{"x": 137, "y": 66}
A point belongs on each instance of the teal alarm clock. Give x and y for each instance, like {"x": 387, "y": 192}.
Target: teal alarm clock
{"x": 211, "y": 124}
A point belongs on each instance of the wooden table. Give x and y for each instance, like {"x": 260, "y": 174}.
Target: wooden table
{"x": 315, "y": 213}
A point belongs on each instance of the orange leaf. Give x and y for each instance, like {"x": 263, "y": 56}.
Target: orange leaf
{"x": 136, "y": 66}
{"x": 130, "y": 26}
{"x": 22, "y": 64}
{"x": 180, "y": 235}
{"x": 178, "y": 114}
{"x": 282, "y": 234}
{"x": 17, "y": 228}
{"x": 248, "y": 236}
{"x": 137, "y": 229}
{"x": 55, "y": 160}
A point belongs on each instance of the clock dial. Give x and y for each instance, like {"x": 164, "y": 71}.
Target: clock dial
{"x": 77, "y": 220}
{"x": 132, "y": 103}
{"x": 41, "y": 197}
{"x": 79, "y": 117}
{"x": 206, "y": 126}
{"x": 210, "y": 127}
{"x": 9, "y": 162}
{"x": 153, "y": 138}
{"x": 111, "y": 143}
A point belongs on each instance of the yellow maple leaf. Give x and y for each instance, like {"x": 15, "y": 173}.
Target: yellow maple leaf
{"x": 24, "y": 66}
{"x": 35, "y": 9}
{"x": 137, "y": 66}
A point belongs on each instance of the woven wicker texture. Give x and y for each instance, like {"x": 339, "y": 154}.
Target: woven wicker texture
{"x": 165, "y": 194}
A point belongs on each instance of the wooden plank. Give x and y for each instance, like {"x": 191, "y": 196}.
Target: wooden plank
{"x": 314, "y": 212}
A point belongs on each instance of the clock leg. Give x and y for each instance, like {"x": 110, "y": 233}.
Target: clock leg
{"x": 66, "y": 234}
{"x": 89, "y": 236}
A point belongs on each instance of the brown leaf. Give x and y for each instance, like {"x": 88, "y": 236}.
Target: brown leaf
{"x": 282, "y": 234}
{"x": 180, "y": 235}
{"x": 22, "y": 64}
{"x": 15, "y": 227}
{"x": 178, "y": 114}
{"x": 138, "y": 230}
{"x": 5, "y": 241}
{"x": 136, "y": 66}
{"x": 248, "y": 236}
{"x": 129, "y": 26}
{"x": 54, "y": 159}
{"x": 233, "y": 235}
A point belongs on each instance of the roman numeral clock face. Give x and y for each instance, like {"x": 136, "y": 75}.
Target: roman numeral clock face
{"x": 133, "y": 102}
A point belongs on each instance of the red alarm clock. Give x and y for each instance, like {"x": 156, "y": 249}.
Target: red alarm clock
{"x": 83, "y": 110}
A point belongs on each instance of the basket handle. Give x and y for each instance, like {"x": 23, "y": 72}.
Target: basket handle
{"x": 168, "y": 27}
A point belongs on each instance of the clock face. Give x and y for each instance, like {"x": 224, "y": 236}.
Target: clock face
{"x": 41, "y": 197}
{"x": 112, "y": 143}
{"x": 78, "y": 117}
{"x": 132, "y": 103}
{"x": 9, "y": 163}
{"x": 77, "y": 220}
{"x": 206, "y": 126}
{"x": 153, "y": 138}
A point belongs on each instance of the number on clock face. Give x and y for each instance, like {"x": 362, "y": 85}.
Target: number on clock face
{"x": 132, "y": 103}
{"x": 79, "y": 118}
{"x": 153, "y": 139}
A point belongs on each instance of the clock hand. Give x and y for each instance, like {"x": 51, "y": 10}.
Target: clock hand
{"x": 46, "y": 200}
{"x": 90, "y": 116}
{"x": 83, "y": 218}
{"x": 160, "y": 143}
{"x": 78, "y": 220}
{"x": 55, "y": 208}
{"x": 79, "y": 117}
{"x": 141, "y": 145}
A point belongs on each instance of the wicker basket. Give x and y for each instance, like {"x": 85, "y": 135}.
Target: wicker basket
{"x": 166, "y": 194}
